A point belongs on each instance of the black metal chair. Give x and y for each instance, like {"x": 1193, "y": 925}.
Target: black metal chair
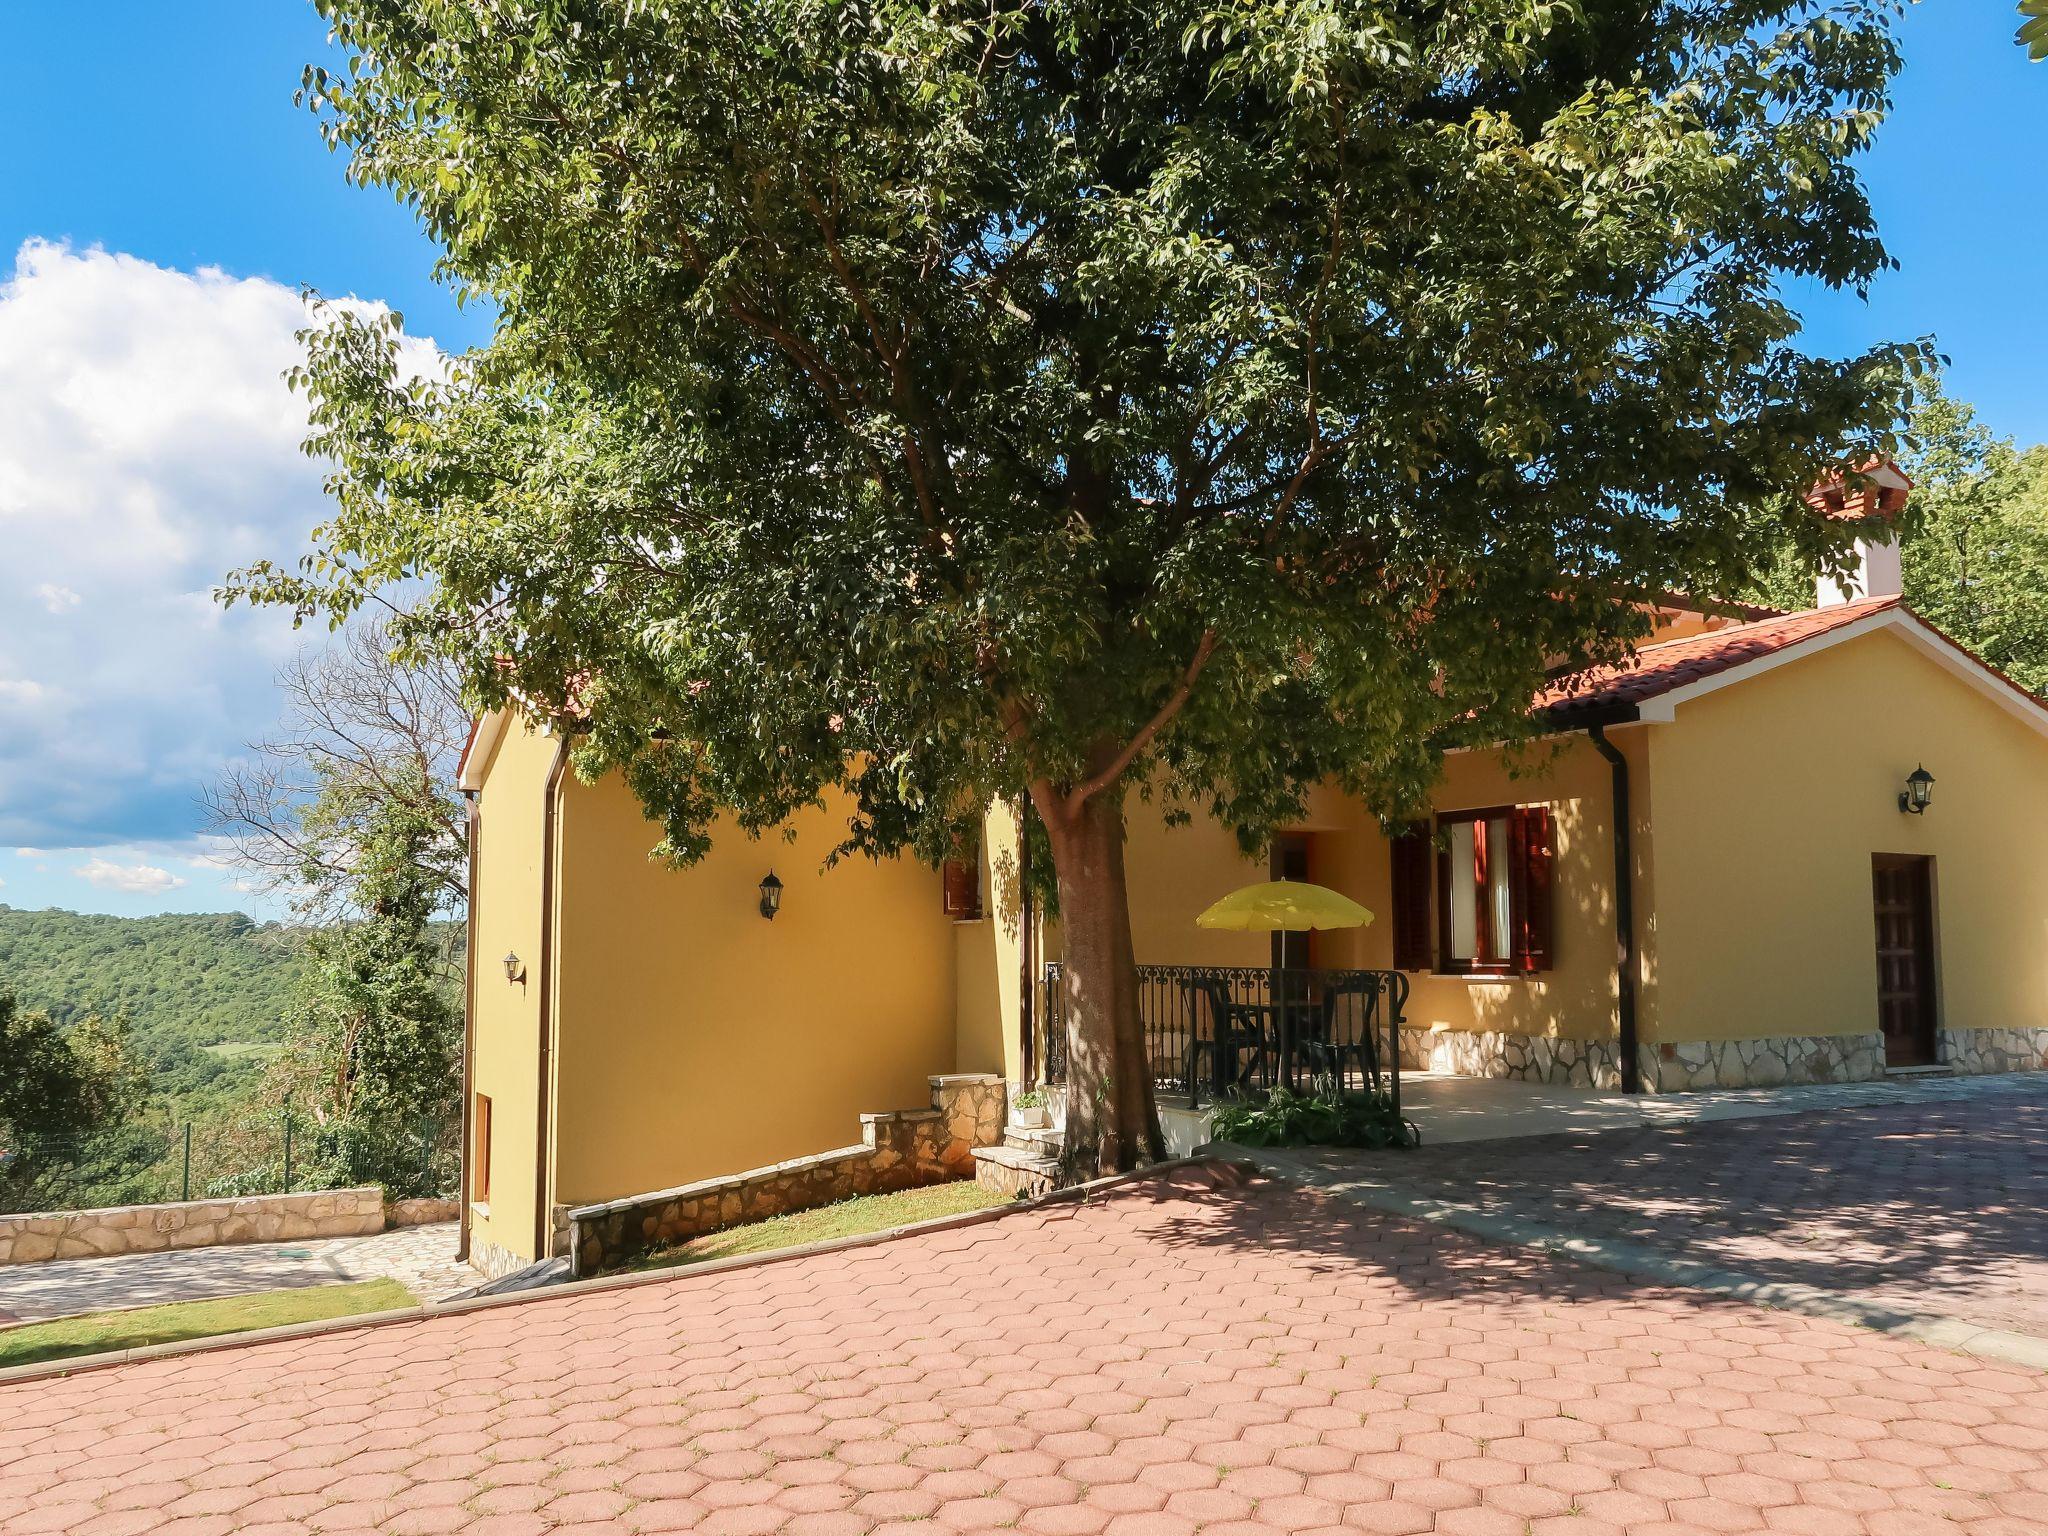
{"x": 1232, "y": 1033}
{"x": 1327, "y": 1052}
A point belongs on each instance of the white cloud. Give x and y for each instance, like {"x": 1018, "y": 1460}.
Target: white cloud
{"x": 135, "y": 879}
{"x": 148, "y": 445}
{"x": 31, "y": 853}
{"x": 215, "y": 855}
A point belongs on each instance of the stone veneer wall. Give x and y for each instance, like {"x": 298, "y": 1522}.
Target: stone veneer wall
{"x": 898, "y": 1150}
{"x": 2018, "y": 1049}
{"x": 1493, "y": 1053}
{"x": 493, "y": 1262}
{"x": 1683, "y": 1066}
{"x": 1774, "y": 1061}
{"x": 27, "y": 1239}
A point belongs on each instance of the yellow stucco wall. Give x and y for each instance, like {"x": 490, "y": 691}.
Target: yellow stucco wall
{"x": 988, "y": 960}
{"x": 1771, "y": 798}
{"x": 1174, "y": 872}
{"x": 507, "y": 1015}
{"x": 696, "y": 1038}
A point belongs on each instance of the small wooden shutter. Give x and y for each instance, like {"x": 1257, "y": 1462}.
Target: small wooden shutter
{"x": 1533, "y": 855}
{"x": 1412, "y": 856}
{"x": 480, "y": 1151}
{"x": 963, "y": 888}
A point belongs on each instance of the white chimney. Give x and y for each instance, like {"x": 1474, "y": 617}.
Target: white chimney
{"x": 1875, "y": 569}
{"x": 1875, "y": 573}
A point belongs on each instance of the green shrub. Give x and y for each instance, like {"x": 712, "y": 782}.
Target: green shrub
{"x": 1287, "y": 1119}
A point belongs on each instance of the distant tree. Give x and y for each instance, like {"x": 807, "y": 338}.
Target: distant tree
{"x": 375, "y": 1035}
{"x": 363, "y": 736}
{"x": 1973, "y": 540}
{"x": 350, "y": 811}
{"x": 61, "y": 1089}
{"x": 1976, "y": 552}
{"x": 951, "y": 399}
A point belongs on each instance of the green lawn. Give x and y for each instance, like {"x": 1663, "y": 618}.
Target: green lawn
{"x": 99, "y": 1331}
{"x": 849, "y": 1218}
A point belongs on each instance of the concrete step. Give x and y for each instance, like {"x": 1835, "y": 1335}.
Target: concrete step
{"x": 1934, "y": 1069}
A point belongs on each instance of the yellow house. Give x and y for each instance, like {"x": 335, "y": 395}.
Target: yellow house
{"x": 1795, "y": 906}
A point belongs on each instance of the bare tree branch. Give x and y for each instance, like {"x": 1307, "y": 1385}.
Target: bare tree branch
{"x": 357, "y": 731}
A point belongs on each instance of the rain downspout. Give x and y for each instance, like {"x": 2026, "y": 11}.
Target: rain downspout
{"x": 1027, "y": 954}
{"x": 1624, "y": 915}
{"x": 544, "y": 1217}
{"x": 462, "y": 1189}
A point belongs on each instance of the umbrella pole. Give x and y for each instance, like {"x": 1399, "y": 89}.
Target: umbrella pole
{"x": 1282, "y": 1033}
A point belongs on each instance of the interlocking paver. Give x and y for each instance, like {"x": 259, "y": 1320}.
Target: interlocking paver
{"x": 1926, "y": 1207}
{"x": 1189, "y": 1358}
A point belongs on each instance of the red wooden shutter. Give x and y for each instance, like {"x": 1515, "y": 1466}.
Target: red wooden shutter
{"x": 1412, "y": 856}
{"x": 963, "y": 888}
{"x": 1532, "y": 851}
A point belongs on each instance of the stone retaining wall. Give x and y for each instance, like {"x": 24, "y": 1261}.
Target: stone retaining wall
{"x": 419, "y": 1213}
{"x": 27, "y": 1239}
{"x": 898, "y": 1150}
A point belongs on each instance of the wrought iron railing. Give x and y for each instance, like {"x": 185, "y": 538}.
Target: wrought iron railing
{"x": 1217, "y": 1030}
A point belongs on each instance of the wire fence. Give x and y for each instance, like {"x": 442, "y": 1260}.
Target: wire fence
{"x": 268, "y": 1154}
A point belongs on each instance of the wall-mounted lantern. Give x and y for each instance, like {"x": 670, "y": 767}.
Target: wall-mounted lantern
{"x": 1918, "y": 793}
{"x": 515, "y": 968}
{"x": 771, "y": 895}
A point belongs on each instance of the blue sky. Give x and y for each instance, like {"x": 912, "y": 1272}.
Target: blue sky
{"x": 163, "y": 200}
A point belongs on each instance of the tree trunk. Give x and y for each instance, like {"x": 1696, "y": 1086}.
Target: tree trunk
{"x": 1112, "y": 1117}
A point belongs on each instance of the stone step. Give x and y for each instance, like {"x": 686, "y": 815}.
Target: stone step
{"x": 1933, "y": 1069}
{"x": 1015, "y": 1171}
{"x": 1033, "y": 1138}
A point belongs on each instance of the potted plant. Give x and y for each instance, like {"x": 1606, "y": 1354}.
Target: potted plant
{"x": 1028, "y": 1111}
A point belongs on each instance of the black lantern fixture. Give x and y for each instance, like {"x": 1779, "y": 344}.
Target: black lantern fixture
{"x": 771, "y": 896}
{"x": 515, "y": 968}
{"x": 1918, "y": 793}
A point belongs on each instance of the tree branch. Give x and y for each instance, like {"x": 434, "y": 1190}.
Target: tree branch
{"x": 1082, "y": 793}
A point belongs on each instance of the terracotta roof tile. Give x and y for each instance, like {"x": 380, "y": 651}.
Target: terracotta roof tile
{"x": 1658, "y": 669}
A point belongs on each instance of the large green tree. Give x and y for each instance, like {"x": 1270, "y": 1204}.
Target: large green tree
{"x": 950, "y": 399}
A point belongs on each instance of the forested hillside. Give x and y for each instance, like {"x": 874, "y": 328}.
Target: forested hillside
{"x": 214, "y": 1009}
{"x": 196, "y": 990}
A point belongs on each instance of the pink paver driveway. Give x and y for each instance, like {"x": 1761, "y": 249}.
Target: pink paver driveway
{"x": 1234, "y": 1360}
{"x": 1936, "y": 1208}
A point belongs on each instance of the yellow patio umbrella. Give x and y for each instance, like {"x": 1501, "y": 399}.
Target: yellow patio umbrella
{"x": 1284, "y": 906}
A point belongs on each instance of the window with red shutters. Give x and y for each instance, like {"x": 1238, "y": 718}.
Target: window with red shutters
{"x": 962, "y": 879}
{"x": 1535, "y": 856}
{"x": 480, "y": 1151}
{"x": 1494, "y": 870}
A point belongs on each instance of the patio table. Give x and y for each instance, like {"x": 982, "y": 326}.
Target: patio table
{"x": 1278, "y": 1025}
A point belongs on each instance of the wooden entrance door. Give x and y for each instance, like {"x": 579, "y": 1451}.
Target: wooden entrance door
{"x": 1903, "y": 889}
{"x": 1290, "y": 862}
